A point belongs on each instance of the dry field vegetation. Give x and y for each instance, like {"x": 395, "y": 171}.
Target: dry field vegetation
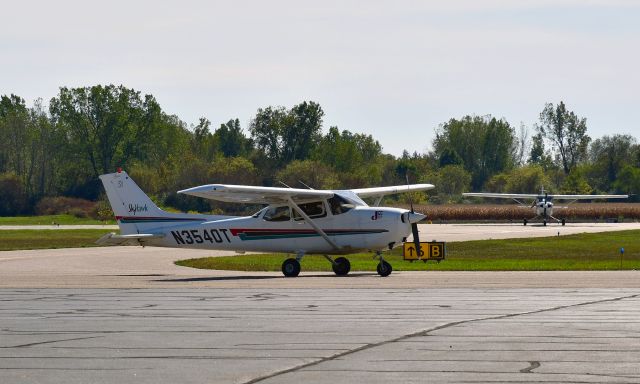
{"x": 576, "y": 211}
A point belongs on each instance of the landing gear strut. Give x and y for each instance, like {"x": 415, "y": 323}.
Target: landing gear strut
{"x": 559, "y": 221}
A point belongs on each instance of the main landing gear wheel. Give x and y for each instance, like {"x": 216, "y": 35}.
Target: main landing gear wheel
{"x": 341, "y": 266}
{"x": 564, "y": 222}
{"x": 544, "y": 222}
{"x": 525, "y": 221}
{"x": 291, "y": 268}
{"x": 384, "y": 269}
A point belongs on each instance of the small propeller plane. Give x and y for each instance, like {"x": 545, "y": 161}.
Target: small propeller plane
{"x": 295, "y": 221}
{"x": 542, "y": 203}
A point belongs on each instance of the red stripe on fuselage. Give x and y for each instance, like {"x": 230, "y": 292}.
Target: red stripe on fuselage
{"x": 237, "y": 231}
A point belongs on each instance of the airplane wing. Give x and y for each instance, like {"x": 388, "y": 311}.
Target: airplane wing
{"x": 383, "y": 191}
{"x": 587, "y": 197}
{"x": 504, "y": 195}
{"x": 535, "y": 195}
{"x": 255, "y": 195}
{"x": 269, "y": 195}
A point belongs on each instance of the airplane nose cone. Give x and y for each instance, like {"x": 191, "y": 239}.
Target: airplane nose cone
{"x": 415, "y": 217}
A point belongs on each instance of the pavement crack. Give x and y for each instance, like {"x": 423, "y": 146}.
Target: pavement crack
{"x": 265, "y": 296}
{"x": 426, "y": 332}
{"x": 49, "y": 342}
{"x": 532, "y": 365}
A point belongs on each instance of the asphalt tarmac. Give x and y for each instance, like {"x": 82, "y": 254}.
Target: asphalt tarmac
{"x": 129, "y": 315}
{"x": 319, "y": 336}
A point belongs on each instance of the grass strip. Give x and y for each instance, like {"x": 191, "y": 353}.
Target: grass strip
{"x": 50, "y": 219}
{"x": 64, "y": 238}
{"x": 592, "y": 251}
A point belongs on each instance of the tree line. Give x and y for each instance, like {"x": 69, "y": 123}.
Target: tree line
{"x": 60, "y": 150}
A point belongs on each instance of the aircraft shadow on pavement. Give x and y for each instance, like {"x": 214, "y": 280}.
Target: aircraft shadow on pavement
{"x": 254, "y": 277}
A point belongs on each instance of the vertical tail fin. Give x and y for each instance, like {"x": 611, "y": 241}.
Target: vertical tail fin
{"x": 126, "y": 198}
{"x": 134, "y": 210}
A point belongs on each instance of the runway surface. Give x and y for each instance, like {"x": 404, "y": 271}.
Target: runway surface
{"x": 129, "y": 315}
{"x": 463, "y": 232}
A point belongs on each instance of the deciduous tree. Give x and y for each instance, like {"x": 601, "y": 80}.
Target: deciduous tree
{"x": 567, "y": 132}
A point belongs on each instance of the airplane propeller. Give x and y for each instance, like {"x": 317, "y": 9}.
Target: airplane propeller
{"x": 414, "y": 225}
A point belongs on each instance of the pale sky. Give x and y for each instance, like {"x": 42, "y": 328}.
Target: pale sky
{"x": 393, "y": 69}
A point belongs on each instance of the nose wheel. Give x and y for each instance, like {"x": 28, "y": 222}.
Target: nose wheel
{"x": 384, "y": 269}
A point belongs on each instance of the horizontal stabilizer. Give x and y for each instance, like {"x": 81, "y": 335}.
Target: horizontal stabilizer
{"x": 134, "y": 239}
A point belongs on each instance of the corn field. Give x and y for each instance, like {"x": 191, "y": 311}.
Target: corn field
{"x": 577, "y": 211}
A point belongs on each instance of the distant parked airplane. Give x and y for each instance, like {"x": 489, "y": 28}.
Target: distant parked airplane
{"x": 542, "y": 204}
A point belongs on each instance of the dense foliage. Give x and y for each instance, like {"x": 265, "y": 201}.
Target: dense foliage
{"x": 87, "y": 131}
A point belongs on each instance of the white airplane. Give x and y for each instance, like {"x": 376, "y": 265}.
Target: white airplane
{"x": 542, "y": 203}
{"x": 296, "y": 221}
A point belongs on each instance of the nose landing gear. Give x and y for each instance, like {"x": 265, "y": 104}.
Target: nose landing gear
{"x": 384, "y": 269}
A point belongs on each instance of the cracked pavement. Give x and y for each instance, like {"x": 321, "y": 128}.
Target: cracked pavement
{"x": 129, "y": 315}
{"x": 216, "y": 335}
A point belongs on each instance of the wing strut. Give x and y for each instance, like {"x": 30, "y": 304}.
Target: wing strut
{"x": 308, "y": 220}
{"x": 520, "y": 202}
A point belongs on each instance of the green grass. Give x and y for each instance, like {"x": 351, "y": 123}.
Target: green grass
{"x": 63, "y": 238}
{"x": 594, "y": 251}
{"x": 49, "y": 219}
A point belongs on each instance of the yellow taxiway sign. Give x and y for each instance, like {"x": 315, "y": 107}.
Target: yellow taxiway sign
{"x": 434, "y": 250}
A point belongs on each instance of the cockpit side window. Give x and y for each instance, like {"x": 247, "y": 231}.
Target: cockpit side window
{"x": 313, "y": 210}
{"x": 281, "y": 213}
{"x": 339, "y": 205}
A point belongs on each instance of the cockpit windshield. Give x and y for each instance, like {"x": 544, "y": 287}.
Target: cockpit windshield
{"x": 339, "y": 205}
{"x": 313, "y": 210}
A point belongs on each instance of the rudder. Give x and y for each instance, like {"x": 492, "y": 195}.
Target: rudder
{"x": 134, "y": 210}
{"x": 126, "y": 198}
